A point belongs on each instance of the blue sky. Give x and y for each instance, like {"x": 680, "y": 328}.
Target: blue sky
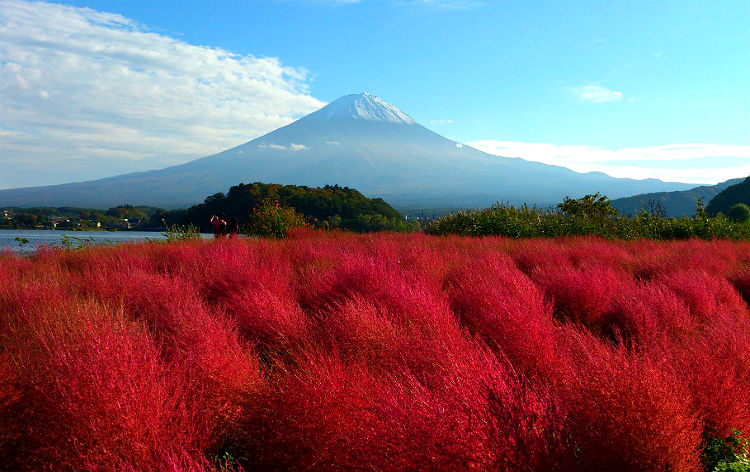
{"x": 642, "y": 89}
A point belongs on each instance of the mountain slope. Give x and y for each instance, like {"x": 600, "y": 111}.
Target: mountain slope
{"x": 358, "y": 141}
{"x": 730, "y": 196}
{"x": 676, "y": 204}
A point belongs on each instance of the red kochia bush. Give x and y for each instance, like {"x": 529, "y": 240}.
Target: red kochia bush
{"x": 740, "y": 278}
{"x": 642, "y": 314}
{"x": 341, "y": 416}
{"x": 96, "y": 392}
{"x": 625, "y": 413}
{"x": 581, "y": 295}
{"x": 377, "y": 352}
{"x": 498, "y": 302}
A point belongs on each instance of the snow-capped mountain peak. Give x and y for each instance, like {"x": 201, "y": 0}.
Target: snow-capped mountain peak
{"x": 361, "y": 106}
{"x": 358, "y": 141}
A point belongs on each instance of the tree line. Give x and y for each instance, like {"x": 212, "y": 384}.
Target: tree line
{"x": 593, "y": 215}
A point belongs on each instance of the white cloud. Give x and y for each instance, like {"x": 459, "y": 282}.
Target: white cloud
{"x": 333, "y": 143}
{"x": 281, "y": 147}
{"x": 596, "y": 94}
{"x": 698, "y": 163}
{"x": 87, "y": 94}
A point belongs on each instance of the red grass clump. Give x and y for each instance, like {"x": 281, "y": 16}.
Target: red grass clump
{"x": 626, "y": 412}
{"x": 334, "y": 351}
{"x": 581, "y": 296}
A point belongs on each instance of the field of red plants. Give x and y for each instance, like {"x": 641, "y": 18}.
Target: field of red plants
{"x": 373, "y": 352}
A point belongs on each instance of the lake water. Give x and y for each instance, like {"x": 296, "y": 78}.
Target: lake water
{"x": 52, "y": 237}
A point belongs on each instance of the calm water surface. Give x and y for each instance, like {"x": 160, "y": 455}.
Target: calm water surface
{"x": 38, "y": 238}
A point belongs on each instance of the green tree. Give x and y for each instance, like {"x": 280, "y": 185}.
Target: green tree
{"x": 269, "y": 219}
{"x": 25, "y": 220}
{"x": 739, "y": 213}
{"x": 589, "y": 206}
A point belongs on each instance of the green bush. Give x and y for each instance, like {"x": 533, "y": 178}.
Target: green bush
{"x": 739, "y": 213}
{"x": 269, "y": 219}
{"x": 730, "y": 454}
{"x": 177, "y": 232}
{"x": 590, "y": 215}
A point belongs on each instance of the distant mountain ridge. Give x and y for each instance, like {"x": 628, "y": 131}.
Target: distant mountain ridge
{"x": 675, "y": 204}
{"x": 358, "y": 141}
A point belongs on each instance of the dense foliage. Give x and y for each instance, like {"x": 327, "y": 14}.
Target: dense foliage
{"x": 590, "y": 215}
{"x": 269, "y": 219}
{"x": 730, "y": 196}
{"x": 335, "y": 351}
{"x": 330, "y": 207}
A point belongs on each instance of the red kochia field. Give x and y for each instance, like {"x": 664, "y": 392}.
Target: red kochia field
{"x": 374, "y": 352}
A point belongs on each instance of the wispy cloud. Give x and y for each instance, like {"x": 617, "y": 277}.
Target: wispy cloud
{"x": 596, "y": 94}
{"x": 87, "y": 94}
{"x": 699, "y": 163}
{"x": 281, "y": 147}
{"x": 440, "y": 122}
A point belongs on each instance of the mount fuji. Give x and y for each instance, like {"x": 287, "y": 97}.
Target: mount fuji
{"x": 358, "y": 141}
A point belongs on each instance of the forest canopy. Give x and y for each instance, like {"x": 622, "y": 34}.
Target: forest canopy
{"x": 330, "y": 207}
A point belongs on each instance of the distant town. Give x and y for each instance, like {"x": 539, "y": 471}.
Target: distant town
{"x": 120, "y": 218}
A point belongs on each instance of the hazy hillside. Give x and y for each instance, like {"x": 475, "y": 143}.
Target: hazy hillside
{"x": 676, "y": 204}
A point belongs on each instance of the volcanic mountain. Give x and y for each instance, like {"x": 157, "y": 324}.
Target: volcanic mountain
{"x": 358, "y": 141}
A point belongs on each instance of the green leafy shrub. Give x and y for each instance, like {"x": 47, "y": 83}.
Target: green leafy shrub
{"x": 730, "y": 454}
{"x": 75, "y": 242}
{"x": 178, "y": 232}
{"x": 21, "y": 242}
{"x": 739, "y": 213}
{"x": 269, "y": 219}
{"x": 589, "y": 206}
{"x": 590, "y": 215}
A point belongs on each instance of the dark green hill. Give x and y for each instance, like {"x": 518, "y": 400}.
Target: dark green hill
{"x": 331, "y": 206}
{"x": 730, "y": 196}
{"x": 676, "y": 204}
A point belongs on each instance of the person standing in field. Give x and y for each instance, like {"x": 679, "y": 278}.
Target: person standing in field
{"x": 220, "y": 225}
